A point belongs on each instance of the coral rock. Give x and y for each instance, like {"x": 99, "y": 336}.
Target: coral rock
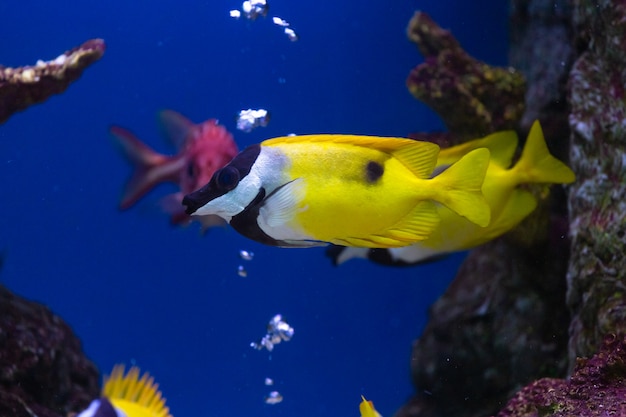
{"x": 488, "y": 334}
{"x": 595, "y": 389}
{"x": 503, "y": 321}
{"x": 24, "y": 86}
{"x": 43, "y": 370}
{"x": 596, "y": 276}
{"x": 473, "y": 98}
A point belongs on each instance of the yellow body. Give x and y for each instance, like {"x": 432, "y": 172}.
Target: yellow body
{"x": 509, "y": 203}
{"x": 339, "y": 202}
{"x": 136, "y": 397}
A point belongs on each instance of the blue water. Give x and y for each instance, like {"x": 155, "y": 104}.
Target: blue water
{"x": 138, "y": 291}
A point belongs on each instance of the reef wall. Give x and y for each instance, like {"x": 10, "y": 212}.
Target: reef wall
{"x": 43, "y": 370}
{"x": 596, "y": 277}
{"x": 22, "y": 87}
{"x": 488, "y": 334}
{"x": 520, "y": 308}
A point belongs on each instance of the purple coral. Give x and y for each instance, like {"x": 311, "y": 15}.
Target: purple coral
{"x": 472, "y": 97}
{"x": 595, "y": 389}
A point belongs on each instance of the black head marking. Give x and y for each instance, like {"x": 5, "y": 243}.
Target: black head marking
{"x": 223, "y": 180}
{"x": 373, "y": 171}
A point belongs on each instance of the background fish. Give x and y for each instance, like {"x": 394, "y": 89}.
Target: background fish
{"x": 128, "y": 395}
{"x": 202, "y": 149}
{"x": 366, "y": 408}
{"x": 358, "y": 190}
{"x": 509, "y": 203}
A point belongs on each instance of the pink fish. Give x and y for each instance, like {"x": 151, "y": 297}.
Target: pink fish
{"x": 202, "y": 149}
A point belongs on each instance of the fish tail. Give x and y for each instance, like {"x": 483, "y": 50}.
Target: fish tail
{"x": 537, "y": 165}
{"x": 147, "y": 163}
{"x": 460, "y": 187}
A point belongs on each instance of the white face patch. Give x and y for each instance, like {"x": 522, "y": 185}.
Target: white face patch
{"x": 267, "y": 172}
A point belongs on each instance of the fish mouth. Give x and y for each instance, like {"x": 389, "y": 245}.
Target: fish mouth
{"x": 197, "y": 199}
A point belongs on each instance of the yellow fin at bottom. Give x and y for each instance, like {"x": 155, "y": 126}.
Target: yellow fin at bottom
{"x": 418, "y": 225}
{"x": 135, "y": 396}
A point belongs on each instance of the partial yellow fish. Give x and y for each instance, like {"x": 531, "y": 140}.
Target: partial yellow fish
{"x": 128, "y": 395}
{"x": 351, "y": 190}
{"x": 509, "y": 203}
{"x": 367, "y": 408}
{"x": 137, "y": 397}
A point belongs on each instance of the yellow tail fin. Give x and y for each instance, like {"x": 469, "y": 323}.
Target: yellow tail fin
{"x": 537, "y": 165}
{"x": 460, "y": 187}
{"x": 137, "y": 397}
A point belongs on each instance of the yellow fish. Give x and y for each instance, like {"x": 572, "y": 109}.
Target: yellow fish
{"x": 128, "y": 395}
{"x": 509, "y": 203}
{"x": 367, "y": 408}
{"x": 365, "y": 191}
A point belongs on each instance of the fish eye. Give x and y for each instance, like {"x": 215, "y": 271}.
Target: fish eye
{"x": 227, "y": 178}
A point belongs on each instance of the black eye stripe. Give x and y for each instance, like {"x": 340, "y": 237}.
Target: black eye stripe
{"x": 238, "y": 168}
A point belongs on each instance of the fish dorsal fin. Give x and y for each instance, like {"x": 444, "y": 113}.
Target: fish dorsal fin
{"x": 282, "y": 205}
{"x": 420, "y": 157}
{"x": 175, "y": 127}
{"x": 135, "y": 396}
{"x": 502, "y": 146}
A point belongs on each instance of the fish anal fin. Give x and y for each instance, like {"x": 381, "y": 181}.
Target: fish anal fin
{"x": 461, "y": 187}
{"x": 418, "y": 225}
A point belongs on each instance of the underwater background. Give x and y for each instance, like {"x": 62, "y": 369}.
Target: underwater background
{"x": 139, "y": 291}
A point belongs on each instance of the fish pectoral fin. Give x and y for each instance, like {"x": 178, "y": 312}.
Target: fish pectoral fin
{"x": 461, "y": 187}
{"x": 418, "y": 225}
{"x": 283, "y": 203}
